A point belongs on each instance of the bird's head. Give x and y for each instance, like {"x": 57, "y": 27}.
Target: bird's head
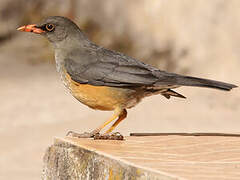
{"x": 56, "y": 29}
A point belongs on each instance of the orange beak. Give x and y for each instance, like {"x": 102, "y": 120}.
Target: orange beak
{"x": 30, "y": 28}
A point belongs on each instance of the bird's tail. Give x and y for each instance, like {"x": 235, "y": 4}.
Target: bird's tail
{"x": 179, "y": 80}
{"x": 200, "y": 82}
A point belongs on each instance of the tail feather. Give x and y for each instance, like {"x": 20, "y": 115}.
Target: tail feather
{"x": 199, "y": 82}
{"x": 171, "y": 79}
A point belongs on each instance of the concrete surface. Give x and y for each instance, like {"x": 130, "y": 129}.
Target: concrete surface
{"x": 154, "y": 157}
{"x": 68, "y": 159}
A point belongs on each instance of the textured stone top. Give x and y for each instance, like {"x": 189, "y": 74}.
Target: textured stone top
{"x": 184, "y": 157}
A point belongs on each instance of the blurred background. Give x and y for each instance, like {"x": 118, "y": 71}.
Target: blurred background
{"x": 198, "y": 38}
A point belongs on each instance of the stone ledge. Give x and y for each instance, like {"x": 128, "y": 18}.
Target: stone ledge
{"x": 154, "y": 157}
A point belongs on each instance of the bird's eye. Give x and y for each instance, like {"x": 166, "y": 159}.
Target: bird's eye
{"x": 49, "y": 27}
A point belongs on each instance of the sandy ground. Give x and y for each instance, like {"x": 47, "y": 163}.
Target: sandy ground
{"x": 35, "y": 108}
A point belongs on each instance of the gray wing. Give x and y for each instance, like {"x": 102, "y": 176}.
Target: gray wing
{"x": 106, "y": 67}
{"x": 99, "y": 66}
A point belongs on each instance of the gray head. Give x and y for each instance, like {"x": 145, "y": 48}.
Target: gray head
{"x": 58, "y": 30}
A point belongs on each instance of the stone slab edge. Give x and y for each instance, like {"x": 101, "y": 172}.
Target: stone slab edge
{"x": 66, "y": 159}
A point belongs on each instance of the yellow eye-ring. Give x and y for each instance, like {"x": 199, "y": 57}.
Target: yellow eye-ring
{"x": 49, "y": 27}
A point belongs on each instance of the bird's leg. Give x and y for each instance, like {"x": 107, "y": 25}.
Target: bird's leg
{"x": 121, "y": 117}
{"x": 95, "y": 133}
{"x": 113, "y": 136}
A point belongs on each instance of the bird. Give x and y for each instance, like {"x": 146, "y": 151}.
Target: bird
{"x": 107, "y": 80}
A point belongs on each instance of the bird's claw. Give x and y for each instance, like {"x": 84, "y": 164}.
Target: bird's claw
{"x": 96, "y": 136}
{"x": 80, "y": 135}
{"x": 113, "y": 136}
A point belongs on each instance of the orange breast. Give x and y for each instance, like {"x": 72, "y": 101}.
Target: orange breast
{"x": 98, "y": 97}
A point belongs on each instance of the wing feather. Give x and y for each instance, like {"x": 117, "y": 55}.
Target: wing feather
{"x": 108, "y": 68}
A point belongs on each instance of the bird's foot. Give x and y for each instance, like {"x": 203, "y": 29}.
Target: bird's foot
{"x": 96, "y": 135}
{"x": 113, "y": 136}
{"x": 81, "y": 135}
